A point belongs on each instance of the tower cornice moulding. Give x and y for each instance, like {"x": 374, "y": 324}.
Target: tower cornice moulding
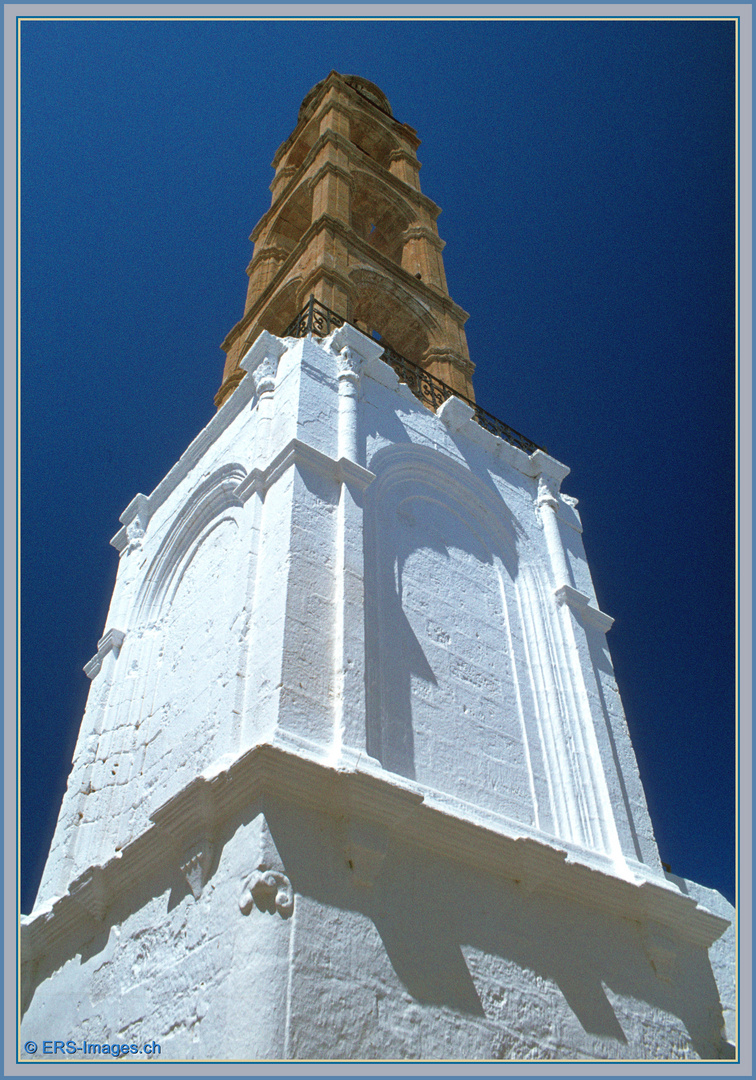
{"x": 405, "y": 155}
{"x": 545, "y": 465}
{"x": 410, "y": 814}
{"x": 269, "y": 252}
{"x": 297, "y": 452}
{"x": 332, "y": 167}
{"x": 422, "y": 232}
{"x": 316, "y": 108}
{"x": 391, "y": 270}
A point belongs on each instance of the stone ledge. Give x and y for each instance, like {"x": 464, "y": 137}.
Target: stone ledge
{"x": 112, "y": 639}
{"x": 581, "y": 605}
{"x": 297, "y": 452}
{"x": 369, "y": 799}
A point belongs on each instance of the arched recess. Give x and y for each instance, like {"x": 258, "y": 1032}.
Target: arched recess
{"x": 381, "y": 305}
{"x": 379, "y": 216}
{"x": 445, "y": 665}
{"x": 281, "y": 310}
{"x": 293, "y": 220}
{"x": 303, "y": 144}
{"x": 187, "y": 633}
{"x": 373, "y": 139}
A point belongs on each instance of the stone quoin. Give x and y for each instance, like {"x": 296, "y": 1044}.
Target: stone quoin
{"x": 354, "y": 781}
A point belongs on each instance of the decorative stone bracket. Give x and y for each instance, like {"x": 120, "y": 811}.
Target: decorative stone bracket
{"x": 191, "y": 831}
{"x": 360, "y": 345}
{"x": 261, "y": 361}
{"x": 195, "y": 862}
{"x": 581, "y": 604}
{"x": 113, "y": 639}
{"x": 135, "y": 520}
{"x": 267, "y": 890}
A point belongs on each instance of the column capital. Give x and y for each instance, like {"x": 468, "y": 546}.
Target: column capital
{"x": 261, "y": 361}
{"x": 422, "y": 232}
{"x": 348, "y": 339}
{"x": 542, "y": 464}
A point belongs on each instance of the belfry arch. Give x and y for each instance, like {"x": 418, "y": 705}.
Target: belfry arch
{"x": 379, "y": 217}
{"x": 383, "y": 308}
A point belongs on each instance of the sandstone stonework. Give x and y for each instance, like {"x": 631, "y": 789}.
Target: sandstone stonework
{"x": 349, "y": 225}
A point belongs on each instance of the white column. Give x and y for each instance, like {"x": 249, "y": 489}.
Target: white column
{"x": 546, "y": 501}
{"x": 353, "y": 350}
{"x": 593, "y": 796}
{"x": 349, "y": 363}
{"x": 261, "y": 361}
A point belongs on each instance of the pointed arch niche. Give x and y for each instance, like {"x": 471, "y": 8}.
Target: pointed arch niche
{"x": 187, "y": 638}
{"x": 444, "y": 641}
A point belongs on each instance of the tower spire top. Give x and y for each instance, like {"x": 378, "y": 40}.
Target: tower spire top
{"x": 368, "y": 89}
{"x": 349, "y": 225}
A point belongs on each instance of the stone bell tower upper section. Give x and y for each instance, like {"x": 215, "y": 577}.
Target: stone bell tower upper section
{"x": 349, "y": 225}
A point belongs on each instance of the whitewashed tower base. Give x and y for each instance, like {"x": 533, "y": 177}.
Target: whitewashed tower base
{"x": 304, "y": 826}
{"x": 354, "y": 780}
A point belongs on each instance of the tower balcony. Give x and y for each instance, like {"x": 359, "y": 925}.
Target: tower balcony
{"x": 317, "y": 320}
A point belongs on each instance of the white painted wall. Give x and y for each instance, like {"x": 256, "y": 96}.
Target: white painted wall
{"x": 400, "y": 602}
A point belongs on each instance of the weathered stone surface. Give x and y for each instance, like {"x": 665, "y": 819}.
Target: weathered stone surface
{"x": 354, "y": 780}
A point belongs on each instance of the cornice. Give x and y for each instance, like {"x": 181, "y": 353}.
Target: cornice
{"x": 112, "y": 640}
{"x": 392, "y": 269}
{"x": 300, "y": 453}
{"x": 367, "y": 799}
{"x": 582, "y": 606}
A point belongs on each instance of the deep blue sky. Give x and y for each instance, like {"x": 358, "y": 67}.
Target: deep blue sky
{"x": 586, "y": 176}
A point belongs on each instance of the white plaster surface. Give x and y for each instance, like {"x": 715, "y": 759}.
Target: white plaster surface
{"x": 395, "y": 596}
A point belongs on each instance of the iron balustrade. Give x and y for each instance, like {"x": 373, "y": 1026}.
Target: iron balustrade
{"x": 315, "y": 319}
{"x": 318, "y": 320}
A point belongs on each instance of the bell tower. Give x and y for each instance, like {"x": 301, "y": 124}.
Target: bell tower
{"x": 354, "y": 779}
{"x": 349, "y": 225}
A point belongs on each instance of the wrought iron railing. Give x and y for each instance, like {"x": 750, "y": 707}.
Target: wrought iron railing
{"x": 318, "y": 320}
{"x": 315, "y": 319}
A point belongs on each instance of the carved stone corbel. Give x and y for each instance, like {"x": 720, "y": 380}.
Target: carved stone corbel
{"x": 349, "y": 364}
{"x": 268, "y": 887}
{"x": 547, "y": 495}
{"x": 191, "y": 832}
{"x": 111, "y": 641}
{"x": 195, "y": 862}
{"x": 264, "y": 377}
{"x": 261, "y": 361}
{"x": 135, "y": 520}
{"x": 267, "y": 890}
